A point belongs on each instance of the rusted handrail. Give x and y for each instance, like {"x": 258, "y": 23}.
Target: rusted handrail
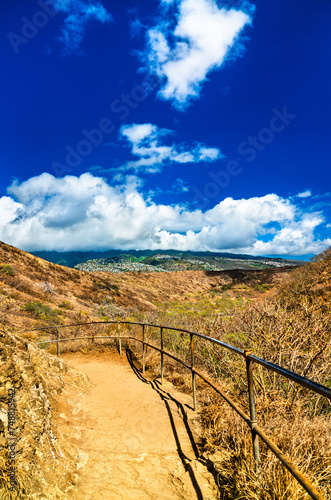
{"x": 249, "y": 359}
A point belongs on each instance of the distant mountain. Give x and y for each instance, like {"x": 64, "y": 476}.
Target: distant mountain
{"x": 170, "y": 260}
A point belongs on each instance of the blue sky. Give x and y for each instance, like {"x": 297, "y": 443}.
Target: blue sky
{"x": 166, "y": 124}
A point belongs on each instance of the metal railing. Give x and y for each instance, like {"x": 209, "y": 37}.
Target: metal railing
{"x": 250, "y": 359}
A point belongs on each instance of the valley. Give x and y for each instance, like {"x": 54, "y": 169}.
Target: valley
{"x": 282, "y": 312}
{"x": 34, "y": 292}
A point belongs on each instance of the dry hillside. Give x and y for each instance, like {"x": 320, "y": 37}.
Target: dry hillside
{"x": 35, "y": 293}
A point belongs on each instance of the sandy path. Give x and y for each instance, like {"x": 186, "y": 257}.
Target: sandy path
{"x": 138, "y": 443}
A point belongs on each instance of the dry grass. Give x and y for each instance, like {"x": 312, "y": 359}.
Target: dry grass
{"x": 227, "y": 442}
{"x": 292, "y": 328}
{"x": 36, "y": 293}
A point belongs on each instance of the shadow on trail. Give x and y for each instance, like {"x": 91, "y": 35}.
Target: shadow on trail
{"x": 167, "y": 398}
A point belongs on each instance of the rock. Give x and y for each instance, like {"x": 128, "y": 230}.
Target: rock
{"x": 32, "y": 382}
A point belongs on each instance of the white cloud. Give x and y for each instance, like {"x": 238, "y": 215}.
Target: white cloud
{"x": 294, "y": 239}
{"x": 208, "y": 153}
{"x": 85, "y": 213}
{"x": 137, "y": 133}
{"x": 8, "y": 209}
{"x": 184, "y": 53}
{"x": 78, "y": 13}
{"x": 146, "y": 142}
{"x": 304, "y": 194}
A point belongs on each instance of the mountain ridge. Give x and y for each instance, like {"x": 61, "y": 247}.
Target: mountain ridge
{"x": 73, "y": 258}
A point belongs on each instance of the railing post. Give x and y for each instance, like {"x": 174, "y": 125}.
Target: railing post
{"x": 144, "y": 350}
{"x": 119, "y": 339}
{"x": 162, "y": 365}
{"x": 194, "y": 382}
{"x": 252, "y": 410}
{"x": 58, "y": 343}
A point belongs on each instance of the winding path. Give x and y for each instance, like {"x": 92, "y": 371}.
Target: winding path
{"x": 136, "y": 435}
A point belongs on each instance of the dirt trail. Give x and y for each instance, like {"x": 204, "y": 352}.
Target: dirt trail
{"x": 137, "y": 437}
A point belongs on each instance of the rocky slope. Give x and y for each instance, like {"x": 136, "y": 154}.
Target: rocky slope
{"x": 33, "y": 389}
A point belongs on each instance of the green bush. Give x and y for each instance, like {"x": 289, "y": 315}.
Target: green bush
{"x": 261, "y": 288}
{"x": 7, "y": 269}
{"x": 66, "y": 305}
{"x": 42, "y": 311}
{"x": 115, "y": 288}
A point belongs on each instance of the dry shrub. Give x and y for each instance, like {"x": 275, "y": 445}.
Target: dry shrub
{"x": 291, "y": 328}
{"x": 226, "y": 440}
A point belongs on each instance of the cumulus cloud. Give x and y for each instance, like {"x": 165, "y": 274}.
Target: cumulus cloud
{"x": 8, "y": 209}
{"x": 182, "y": 53}
{"x": 86, "y": 213}
{"x": 78, "y": 13}
{"x": 294, "y": 239}
{"x": 147, "y": 142}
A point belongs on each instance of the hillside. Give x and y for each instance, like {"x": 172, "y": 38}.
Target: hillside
{"x": 43, "y": 388}
{"x": 282, "y": 314}
{"x": 35, "y": 293}
{"x": 291, "y": 327}
{"x": 180, "y": 262}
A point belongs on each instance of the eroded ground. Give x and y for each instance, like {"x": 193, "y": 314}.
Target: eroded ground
{"x": 136, "y": 435}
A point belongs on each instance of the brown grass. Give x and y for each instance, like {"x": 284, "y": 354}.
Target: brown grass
{"x": 291, "y": 328}
{"x": 289, "y": 325}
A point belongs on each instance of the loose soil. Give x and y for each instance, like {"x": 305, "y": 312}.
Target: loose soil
{"x": 136, "y": 435}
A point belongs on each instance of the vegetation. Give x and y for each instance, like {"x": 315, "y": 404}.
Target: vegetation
{"x": 108, "y": 309}
{"x": 7, "y": 269}
{"x": 66, "y": 305}
{"x": 291, "y": 328}
{"x": 42, "y": 311}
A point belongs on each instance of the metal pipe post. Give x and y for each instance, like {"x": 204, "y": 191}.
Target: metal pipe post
{"x": 58, "y": 343}
{"x": 144, "y": 350}
{"x": 119, "y": 339}
{"x": 252, "y": 410}
{"x": 194, "y": 381}
{"x": 162, "y": 361}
